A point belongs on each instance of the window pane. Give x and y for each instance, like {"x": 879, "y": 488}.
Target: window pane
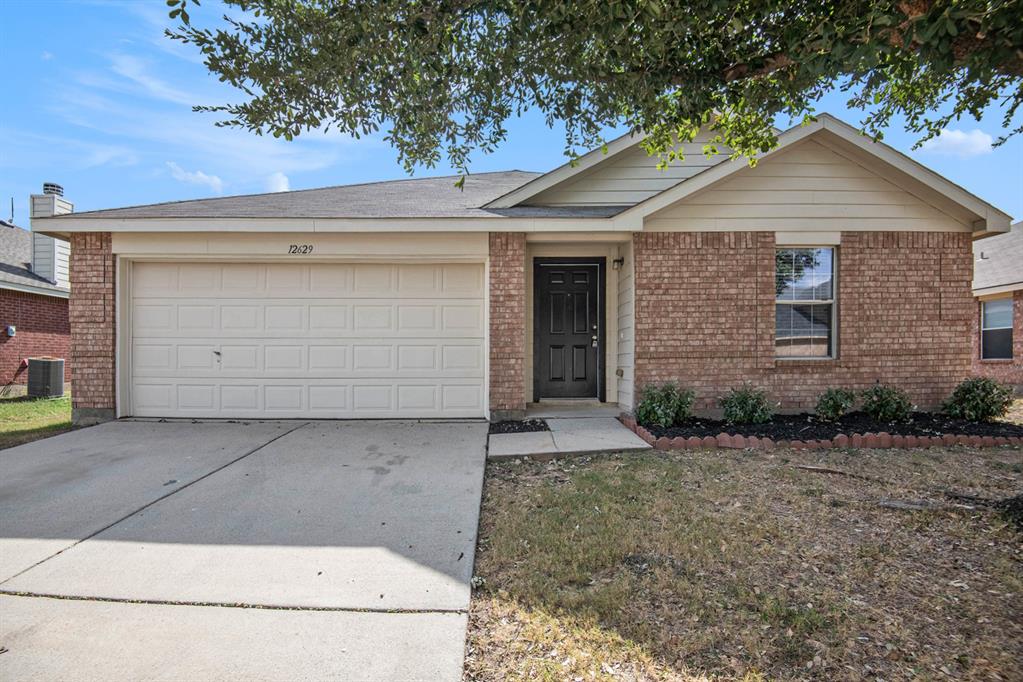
{"x": 802, "y": 331}
{"x": 996, "y": 344}
{"x": 803, "y": 274}
{"x": 998, "y": 314}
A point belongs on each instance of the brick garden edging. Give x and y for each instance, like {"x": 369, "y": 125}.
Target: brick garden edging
{"x": 856, "y": 440}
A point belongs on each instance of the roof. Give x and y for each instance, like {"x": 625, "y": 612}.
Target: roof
{"x": 998, "y": 262}
{"x": 501, "y": 195}
{"x": 15, "y": 262}
{"x": 436, "y": 197}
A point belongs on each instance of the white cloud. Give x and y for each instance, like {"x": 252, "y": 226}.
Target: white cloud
{"x": 195, "y": 177}
{"x": 277, "y": 182}
{"x": 46, "y": 56}
{"x": 136, "y": 71}
{"x": 963, "y": 144}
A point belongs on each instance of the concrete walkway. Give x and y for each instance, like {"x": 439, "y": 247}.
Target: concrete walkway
{"x": 568, "y": 436}
{"x": 259, "y": 550}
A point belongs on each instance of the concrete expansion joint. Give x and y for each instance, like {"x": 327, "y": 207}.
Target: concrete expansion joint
{"x": 228, "y": 605}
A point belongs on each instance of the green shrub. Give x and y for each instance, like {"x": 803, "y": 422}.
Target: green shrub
{"x": 664, "y": 405}
{"x": 979, "y": 399}
{"x": 887, "y": 403}
{"x": 835, "y": 403}
{"x": 746, "y": 405}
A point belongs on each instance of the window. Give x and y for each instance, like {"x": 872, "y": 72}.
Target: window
{"x": 996, "y": 329}
{"x": 804, "y": 307}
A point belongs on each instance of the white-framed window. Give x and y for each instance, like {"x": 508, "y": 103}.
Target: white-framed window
{"x": 996, "y": 329}
{"x": 804, "y": 304}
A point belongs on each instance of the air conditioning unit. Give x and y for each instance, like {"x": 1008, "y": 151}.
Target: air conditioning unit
{"x": 45, "y": 377}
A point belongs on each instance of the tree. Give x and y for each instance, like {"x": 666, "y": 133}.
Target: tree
{"x": 445, "y": 75}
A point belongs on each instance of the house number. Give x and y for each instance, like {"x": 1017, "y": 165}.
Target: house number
{"x": 301, "y": 249}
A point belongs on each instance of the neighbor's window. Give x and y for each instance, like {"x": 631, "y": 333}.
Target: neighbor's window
{"x": 804, "y": 303}
{"x": 996, "y": 329}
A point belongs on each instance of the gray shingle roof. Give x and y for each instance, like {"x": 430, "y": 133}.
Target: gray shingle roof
{"x": 15, "y": 258}
{"x": 413, "y": 198}
{"x": 998, "y": 261}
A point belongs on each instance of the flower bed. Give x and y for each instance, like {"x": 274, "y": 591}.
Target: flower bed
{"x": 853, "y": 430}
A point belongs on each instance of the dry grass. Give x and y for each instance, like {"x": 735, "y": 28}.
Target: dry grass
{"x": 739, "y": 566}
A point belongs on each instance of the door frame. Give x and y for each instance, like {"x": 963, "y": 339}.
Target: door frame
{"x": 601, "y": 263}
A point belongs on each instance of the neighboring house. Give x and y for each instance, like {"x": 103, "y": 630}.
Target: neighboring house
{"x": 835, "y": 261}
{"x": 33, "y": 303}
{"x": 998, "y": 318}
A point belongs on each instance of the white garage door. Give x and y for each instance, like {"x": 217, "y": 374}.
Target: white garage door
{"x": 307, "y": 340}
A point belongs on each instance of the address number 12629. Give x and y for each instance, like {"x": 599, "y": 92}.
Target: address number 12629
{"x": 300, "y": 249}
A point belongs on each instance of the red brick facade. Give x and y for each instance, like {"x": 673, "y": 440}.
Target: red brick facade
{"x": 42, "y": 329}
{"x": 507, "y": 322}
{"x": 93, "y": 326}
{"x": 705, "y": 315}
{"x": 1006, "y": 371}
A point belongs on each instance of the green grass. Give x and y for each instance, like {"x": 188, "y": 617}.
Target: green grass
{"x": 26, "y": 419}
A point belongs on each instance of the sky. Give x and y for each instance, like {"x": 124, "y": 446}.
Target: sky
{"x": 97, "y": 99}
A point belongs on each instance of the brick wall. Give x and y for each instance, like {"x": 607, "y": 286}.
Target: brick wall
{"x": 1006, "y": 371}
{"x": 92, "y": 327}
{"x": 42, "y": 329}
{"x": 705, "y": 315}
{"x": 507, "y": 322}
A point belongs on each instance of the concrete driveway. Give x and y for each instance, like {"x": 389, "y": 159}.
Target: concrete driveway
{"x": 215, "y": 550}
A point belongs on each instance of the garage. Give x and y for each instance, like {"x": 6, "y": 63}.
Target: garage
{"x": 320, "y": 340}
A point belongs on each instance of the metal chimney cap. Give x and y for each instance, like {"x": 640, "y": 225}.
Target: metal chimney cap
{"x": 53, "y": 188}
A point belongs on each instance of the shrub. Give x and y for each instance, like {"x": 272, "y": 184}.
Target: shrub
{"x": 664, "y": 405}
{"x": 834, "y": 404}
{"x": 979, "y": 399}
{"x": 887, "y": 403}
{"x": 746, "y": 405}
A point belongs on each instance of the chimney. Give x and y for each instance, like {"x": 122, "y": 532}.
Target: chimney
{"x": 50, "y": 256}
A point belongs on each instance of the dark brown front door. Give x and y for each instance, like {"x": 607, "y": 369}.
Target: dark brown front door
{"x": 568, "y": 328}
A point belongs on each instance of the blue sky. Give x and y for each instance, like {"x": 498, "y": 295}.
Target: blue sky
{"x": 97, "y": 99}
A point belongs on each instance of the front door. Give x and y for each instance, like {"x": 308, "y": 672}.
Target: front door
{"x": 568, "y": 328}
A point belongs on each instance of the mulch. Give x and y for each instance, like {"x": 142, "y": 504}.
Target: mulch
{"x": 806, "y": 427}
{"x": 519, "y": 426}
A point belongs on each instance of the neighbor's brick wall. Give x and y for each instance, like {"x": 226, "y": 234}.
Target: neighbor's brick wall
{"x": 42, "y": 328}
{"x": 507, "y": 320}
{"x": 1006, "y": 371}
{"x": 705, "y": 315}
{"x": 92, "y": 321}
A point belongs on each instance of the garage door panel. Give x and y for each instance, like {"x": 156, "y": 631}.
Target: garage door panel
{"x": 324, "y": 398}
{"x": 338, "y": 358}
{"x": 317, "y": 339}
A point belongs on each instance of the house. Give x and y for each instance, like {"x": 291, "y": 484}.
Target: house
{"x": 998, "y": 314}
{"x": 33, "y": 303}
{"x": 835, "y": 261}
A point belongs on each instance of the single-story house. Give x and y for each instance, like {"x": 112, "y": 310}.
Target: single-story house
{"x": 34, "y": 293}
{"x": 998, "y": 318}
{"x": 834, "y": 261}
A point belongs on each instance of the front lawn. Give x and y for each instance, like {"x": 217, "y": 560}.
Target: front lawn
{"x": 739, "y": 565}
{"x": 27, "y": 419}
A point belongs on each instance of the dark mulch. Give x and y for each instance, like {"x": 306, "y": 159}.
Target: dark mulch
{"x": 807, "y": 427}
{"x": 519, "y": 426}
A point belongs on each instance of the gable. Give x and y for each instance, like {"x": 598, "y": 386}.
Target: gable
{"x": 809, "y": 186}
{"x": 629, "y": 177}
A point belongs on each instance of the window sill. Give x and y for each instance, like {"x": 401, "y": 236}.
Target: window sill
{"x": 812, "y": 361}
{"x": 997, "y": 361}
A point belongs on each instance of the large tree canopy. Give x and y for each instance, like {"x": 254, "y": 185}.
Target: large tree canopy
{"x": 444, "y": 76}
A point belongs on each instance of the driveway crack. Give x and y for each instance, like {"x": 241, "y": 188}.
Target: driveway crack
{"x": 150, "y": 504}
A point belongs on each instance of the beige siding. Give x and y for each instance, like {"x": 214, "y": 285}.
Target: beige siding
{"x": 62, "y": 255}
{"x": 809, "y": 187}
{"x": 628, "y": 178}
{"x": 626, "y": 320}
